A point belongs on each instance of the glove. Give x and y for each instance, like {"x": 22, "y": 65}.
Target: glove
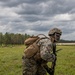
{"x": 49, "y": 70}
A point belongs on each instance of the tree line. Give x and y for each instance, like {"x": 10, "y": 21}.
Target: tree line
{"x": 12, "y": 39}
{"x": 18, "y": 39}
{"x": 66, "y": 41}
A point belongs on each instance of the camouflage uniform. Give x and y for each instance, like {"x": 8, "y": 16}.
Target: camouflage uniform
{"x": 33, "y": 67}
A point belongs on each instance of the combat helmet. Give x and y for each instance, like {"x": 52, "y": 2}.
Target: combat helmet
{"x": 54, "y": 30}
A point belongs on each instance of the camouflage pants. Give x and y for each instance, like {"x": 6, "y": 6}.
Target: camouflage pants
{"x": 30, "y": 67}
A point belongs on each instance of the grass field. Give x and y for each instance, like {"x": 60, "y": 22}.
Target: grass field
{"x": 11, "y": 60}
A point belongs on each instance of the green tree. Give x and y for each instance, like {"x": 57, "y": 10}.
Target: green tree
{"x": 1, "y": 38}
{"x": 7, "y": 38}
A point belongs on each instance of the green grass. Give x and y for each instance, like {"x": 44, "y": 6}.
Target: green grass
{"x": 11, "y": 60}
{"x": 66, "y": 61}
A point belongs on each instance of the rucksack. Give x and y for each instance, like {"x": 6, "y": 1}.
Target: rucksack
{"x": 31, "y": 45}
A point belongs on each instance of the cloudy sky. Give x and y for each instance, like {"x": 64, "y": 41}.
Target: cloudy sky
{"x": 38, "y": 16}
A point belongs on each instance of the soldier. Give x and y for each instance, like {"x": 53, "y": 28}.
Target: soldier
{"x": 37, "y": 64}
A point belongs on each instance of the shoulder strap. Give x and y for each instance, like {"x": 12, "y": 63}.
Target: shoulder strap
{"x": 44, "y": 37}
{"x": 41, "y": 34}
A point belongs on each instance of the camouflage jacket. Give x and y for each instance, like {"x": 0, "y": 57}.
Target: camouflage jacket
{"x": 46, "y": 50}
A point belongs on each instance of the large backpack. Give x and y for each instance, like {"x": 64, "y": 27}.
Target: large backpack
{"x": 31, "y": 45}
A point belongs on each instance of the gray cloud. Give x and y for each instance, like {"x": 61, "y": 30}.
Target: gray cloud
{"x": 30, "y": 9}
{"x": 33, "y": 18}
{"x": 38, "y": 16}
{"x": 14, "y": 3}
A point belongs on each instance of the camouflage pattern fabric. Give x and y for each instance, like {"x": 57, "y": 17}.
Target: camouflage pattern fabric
{"x": 31, "y": 66}
{"x": 46, "y": 50}
{"x": 54, "y": 30}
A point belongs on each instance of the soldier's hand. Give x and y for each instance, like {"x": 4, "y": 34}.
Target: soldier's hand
{"x": 49, "y": 71}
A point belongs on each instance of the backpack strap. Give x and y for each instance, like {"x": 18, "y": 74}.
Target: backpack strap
{"x": 41, "y": 34}
{"x": 44, "y": 37}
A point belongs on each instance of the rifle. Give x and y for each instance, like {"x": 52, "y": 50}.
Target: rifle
{"x": 54, "y": 63}
{"x": 58, "y": 50}
{"x": 52, "y": 69}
